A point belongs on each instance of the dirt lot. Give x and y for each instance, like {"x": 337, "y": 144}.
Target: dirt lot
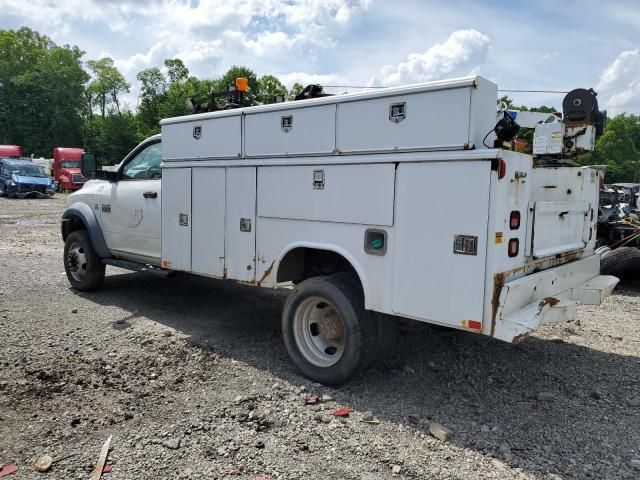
{"x": 190, "y": 377}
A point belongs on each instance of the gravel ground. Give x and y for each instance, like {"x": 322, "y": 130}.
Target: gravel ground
{"x": 191, "y": 378}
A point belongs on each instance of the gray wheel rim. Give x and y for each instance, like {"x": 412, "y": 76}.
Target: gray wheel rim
{"x": 319, "y": 332}
{"x": 77, "y": 261}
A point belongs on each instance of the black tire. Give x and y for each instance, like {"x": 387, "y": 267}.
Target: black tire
{"x": 343, "y": 292}
{"x": 84, "y": 268}
{"x": 621, "y": 261}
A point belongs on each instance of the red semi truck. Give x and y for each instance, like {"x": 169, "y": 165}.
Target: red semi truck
{"x": 13, "y": 151}
{"x": 66, "y": 168}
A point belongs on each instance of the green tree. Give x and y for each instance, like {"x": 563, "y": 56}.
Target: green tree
{"x": 153, "y": 88}
{"x": 175, "y": 101}
{"x": 107, "y": 85}
{"x": 295, "y": 90}
{"x": 619, "y": 149}
{"x": 41, "y": 92}
{"x": 269, "y": 87}
{"x": 177, "y": 70}
{"x": 111, "y": 137}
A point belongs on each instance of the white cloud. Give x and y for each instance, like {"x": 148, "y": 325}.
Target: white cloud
{"x": 461, "y": 53}
{"x": 305, "y": 12}
{"x": 304, "y": 78}
{"x": 619, "y": 86}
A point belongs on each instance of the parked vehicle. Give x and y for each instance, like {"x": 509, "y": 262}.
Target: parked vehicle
{"x": 22, "y": 178}
{"x": 45, "y": 163}
{"x": 10, "y": 151}
{"x": 345, "y": 197}
{"x": 619, "y": 229}
{"x": 66, "y": 168}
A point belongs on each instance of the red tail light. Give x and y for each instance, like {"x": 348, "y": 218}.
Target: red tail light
{"x": 514, "y": 220}
{"x": 514, "y": 247}
{"x": 503, "y": 169}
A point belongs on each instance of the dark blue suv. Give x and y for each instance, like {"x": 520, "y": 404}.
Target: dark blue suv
{"x": 23, "y": 178}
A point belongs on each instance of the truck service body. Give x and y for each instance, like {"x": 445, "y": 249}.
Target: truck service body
{"x": 375, "y": 205}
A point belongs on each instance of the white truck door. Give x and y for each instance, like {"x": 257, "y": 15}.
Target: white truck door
{"x": 436, "y": 203}
{"x": 131, "y": 209}
{"x": 208, "y": 192}
{"x": 240, "y": 243}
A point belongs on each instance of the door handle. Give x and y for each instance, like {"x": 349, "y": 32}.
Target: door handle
{"x": 150, "y": 194}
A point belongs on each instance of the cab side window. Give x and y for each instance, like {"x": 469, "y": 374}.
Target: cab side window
{"x": 145, "y": 165}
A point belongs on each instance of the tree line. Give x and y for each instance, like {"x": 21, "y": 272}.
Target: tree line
{"x": 50, "y": 96}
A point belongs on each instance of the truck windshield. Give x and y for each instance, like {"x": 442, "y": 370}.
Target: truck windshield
{"x": 28, "y": 170}
{"x": 70, "y": 164}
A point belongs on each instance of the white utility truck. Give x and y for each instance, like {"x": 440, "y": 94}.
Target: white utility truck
{"x": 373, "y": 205}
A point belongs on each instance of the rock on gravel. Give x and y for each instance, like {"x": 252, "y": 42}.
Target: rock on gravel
{"x": 441, "y": 432}
{"x": 172, "y": 443}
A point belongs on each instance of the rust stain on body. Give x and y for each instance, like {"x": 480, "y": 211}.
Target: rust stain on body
{"x": 266, "y": 273}
{"x": 499, "y": 280}
{"x": 551, "y": 301}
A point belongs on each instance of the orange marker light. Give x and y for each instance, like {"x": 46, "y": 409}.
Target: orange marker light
{"x": 242, "y": 84}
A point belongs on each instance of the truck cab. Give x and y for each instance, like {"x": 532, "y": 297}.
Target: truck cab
{"x": 126, "y": 204}
{"x": 65, "y": 169}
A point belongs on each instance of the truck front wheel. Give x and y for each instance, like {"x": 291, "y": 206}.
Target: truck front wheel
{"x": 327, "y": 332}
{"x": 84, "y": 268}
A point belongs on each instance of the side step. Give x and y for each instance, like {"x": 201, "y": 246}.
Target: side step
{"x": 137, "y": 267}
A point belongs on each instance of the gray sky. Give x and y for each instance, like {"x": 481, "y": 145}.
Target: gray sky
{"x": 556, "y": 45}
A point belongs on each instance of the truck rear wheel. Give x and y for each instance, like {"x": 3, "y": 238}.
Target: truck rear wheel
{"x": 327, "y": 332}
{"x": 620, "y": 261}
{"x": 84, "y": 268}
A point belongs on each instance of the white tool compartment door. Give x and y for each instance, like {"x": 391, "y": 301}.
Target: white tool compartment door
{"x": 240, "y": 244}
{"x": 435, "y": 203}
{"x": 559, "y": 227}
{"x": 176, "y": 218}
{"x": 208, "y": 211}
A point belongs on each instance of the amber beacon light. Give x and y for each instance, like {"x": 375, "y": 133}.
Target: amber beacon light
{"x": 242, "y": 84}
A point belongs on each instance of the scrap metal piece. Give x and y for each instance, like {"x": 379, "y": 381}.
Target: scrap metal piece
{"x": 102, "y": 459}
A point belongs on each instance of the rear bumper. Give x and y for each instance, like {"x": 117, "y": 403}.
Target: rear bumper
{"x": 550, "y": 296}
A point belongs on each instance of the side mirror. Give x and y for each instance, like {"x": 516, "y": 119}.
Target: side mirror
{"x": 89, "y": 168}
{"x": 89, "y": 165}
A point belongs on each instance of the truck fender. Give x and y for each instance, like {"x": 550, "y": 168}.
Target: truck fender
{"x": 82, "y": 212}
{"x": 332, "y": 248}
